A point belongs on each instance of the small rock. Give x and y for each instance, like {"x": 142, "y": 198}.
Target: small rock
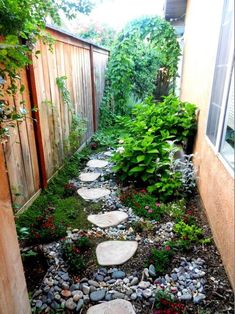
{"x": 144, "y": 284}
{"x": 66, "y": 293}
{"x": 57, "y": 297}
{"x": 86, "y": 299}
{"x": 70, "y": 304}
{"x": 134, "y": 281}
{"x": 79, "y": 305}
{"x": 198, "y": 298}
{"x": 118, "y": 274}
{"x": 97, "y": 295}
{"x": 83, "y": 280}
{"x": 85, "y": 289}
{"x": 74, "y": 287}
{"x": 111, "y": 281}
{"x": 76, "y": 297}
{"x": 99, "y": 277}
{"x": 152, "y": 271}
{"x": 118, "y": 295}
{"x": 38, "y": 304}
{"x": 108, "y": 297}
{"x": 65, "y": 286}
{"x": 126, "y": 280}
{"x": 133, "y": 296}
{"x": 185, "y": 297}
{"x": 147, "y": 293}
{"x": 93, "y": 283}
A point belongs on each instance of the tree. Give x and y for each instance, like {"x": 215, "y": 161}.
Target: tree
{"x": 145, "y": 49}
{"x": 100, "y": 34}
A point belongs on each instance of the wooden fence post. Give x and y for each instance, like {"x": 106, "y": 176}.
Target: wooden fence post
{"x": 93, "y": 88}
{"x": 13, "y": 291}
{"x": 37, "y": 125}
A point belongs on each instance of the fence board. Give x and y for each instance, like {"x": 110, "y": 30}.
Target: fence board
{"x": 29, "y": 163}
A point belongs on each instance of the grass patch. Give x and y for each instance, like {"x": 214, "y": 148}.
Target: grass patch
{"x": 58, "y": 207}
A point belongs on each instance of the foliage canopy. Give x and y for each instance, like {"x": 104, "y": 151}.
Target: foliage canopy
{"x": 22, "y": 23}
{"x": 144, "y": 49}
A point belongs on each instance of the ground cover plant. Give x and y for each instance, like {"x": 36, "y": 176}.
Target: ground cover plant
{"x": 57, "y": 208}
{"x": 165, "y": 303}
{"x": 76, "y": 254}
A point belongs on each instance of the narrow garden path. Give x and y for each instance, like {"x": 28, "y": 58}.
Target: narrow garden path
{"x": 124, "y": 281}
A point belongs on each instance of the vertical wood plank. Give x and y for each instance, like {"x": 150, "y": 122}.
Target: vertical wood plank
{"x": 93, "y": 87}
{"x": 13, "y": 291}
{"x": 37, "y": 125}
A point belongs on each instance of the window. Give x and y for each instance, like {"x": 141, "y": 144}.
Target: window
{"x": 220, "y": 125}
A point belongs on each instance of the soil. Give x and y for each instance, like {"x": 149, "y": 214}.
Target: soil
{"x": 35, "y": 268}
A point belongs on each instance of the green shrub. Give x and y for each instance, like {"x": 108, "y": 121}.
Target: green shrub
{"x": 188, "y": 235}
{"x": 76, "y": 254}
{"x": 161, "y": 258}
{"x": 146, "y": 154}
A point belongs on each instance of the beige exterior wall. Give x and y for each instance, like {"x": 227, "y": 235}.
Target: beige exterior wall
{"x": 216, "y": 183}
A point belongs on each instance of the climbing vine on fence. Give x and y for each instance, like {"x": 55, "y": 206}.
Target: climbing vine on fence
{"x": 146, "y": 47}
{"x": 78, "y": 124}
{"x": 22, "y": 23}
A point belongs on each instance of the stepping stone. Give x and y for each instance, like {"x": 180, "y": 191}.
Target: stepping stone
{"x": 108, "y": 154}
{"x": 96, "y": 163}
{"x": 115, "y": 252}
{"x": 112, "y": 307}
{"x": 89, "y": 176}
{"x": 92, "y": 194}
{"x": 108, "y": 219}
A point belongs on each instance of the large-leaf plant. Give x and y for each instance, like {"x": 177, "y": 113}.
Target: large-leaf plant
{"x": 147, "y": 152}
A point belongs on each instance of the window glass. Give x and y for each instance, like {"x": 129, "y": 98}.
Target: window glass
{"x": 221, "y": 70}
{"x": 227, "y": 147}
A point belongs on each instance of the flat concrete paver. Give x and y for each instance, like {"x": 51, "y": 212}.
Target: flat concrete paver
{"x": 108, "y": 219}
{"x": 118, "y": 306}
{"x": 115, "y": 252}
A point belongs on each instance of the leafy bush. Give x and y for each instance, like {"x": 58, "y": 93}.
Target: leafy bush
{"x": 76, "y": 254}
{"x": 143, "y": 204}
{"x": 145, "y": 46}
{"x": 147, "y": 153}
{"x": 188, "y": 235}
{"x": 161, "y": 258}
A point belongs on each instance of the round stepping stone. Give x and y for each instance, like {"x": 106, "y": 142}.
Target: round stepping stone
{"x": 112, "y": 307}
{"x": 96, "y": 163}
{"x": 108, "y": 154}
{"x": 89, "y": 176}
{"x": 92, "y": 194}
{"x": 108, "y": 219}
{"x": 115, "y": 252}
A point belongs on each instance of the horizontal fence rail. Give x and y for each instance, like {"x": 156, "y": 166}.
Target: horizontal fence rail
{"x": 37, "y": 147}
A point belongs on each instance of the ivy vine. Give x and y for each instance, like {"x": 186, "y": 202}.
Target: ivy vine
{"x": 145, "y": 52}
{"x": 22, "y": 23}
{"x": 78, "y": 124}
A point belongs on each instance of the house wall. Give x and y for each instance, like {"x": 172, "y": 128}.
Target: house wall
{"x": 216, "y": 183}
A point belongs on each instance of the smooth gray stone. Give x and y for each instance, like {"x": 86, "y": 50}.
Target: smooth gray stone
{"x": 97, "y": 295}
{"x": 112, "y": 307}
{"x": 118, "y": 274}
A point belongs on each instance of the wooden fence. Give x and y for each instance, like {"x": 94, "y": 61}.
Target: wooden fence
{"x": 36, "y": 148}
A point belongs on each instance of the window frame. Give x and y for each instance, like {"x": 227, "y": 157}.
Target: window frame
{"x": 222, "y": 118}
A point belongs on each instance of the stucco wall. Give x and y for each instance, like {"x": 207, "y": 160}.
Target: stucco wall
{"x": 215, "y": 183}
